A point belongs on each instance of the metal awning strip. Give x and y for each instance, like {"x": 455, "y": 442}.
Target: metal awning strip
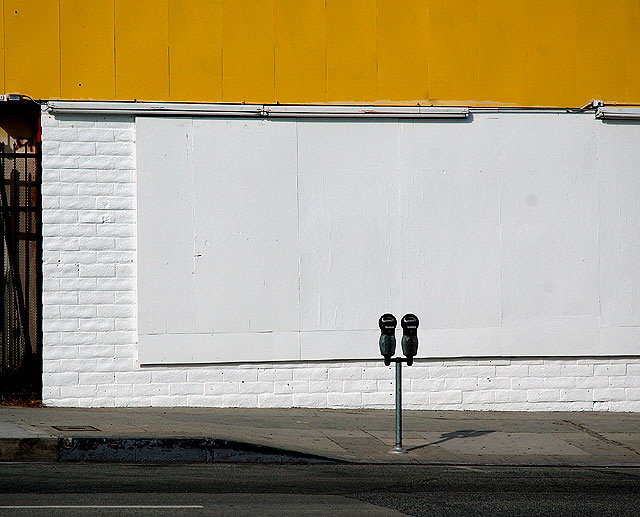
{"x": 618, "y": 113}
{"x": 253, "y": 110}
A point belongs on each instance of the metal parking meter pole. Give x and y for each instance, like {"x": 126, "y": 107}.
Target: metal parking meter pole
{"x": 387, "y": 324}
{"x": 398, "y": 448}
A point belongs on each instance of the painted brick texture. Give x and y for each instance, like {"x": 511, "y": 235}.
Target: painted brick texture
{"x": 89, "y": 307}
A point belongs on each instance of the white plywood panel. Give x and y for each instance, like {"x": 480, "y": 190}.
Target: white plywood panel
{"x": 551, "y": 336}
{"x": 340, "y": 345}
{"x": 465, "y": 144}
{"x": 546, "y": 141}
{"x": 620, "y": 340}
{"x": 286, "y": 240}
{"x": 165, "y": 227}
{"x": 354, "y": 145}
{"x": 618, "y": 159}
{"x": 618, "y": 144}
{"x": 218, "y": 348}
{"x": 349, "y": 224}
{"x": 246, "y": 230}
{"x": 549, "y": 218}
{"x": 450, "y": 224}
{"x": 451, "y": 247}
{"x": 463, "y": 342}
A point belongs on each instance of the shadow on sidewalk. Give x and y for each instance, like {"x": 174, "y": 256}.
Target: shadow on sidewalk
{"x": 452, "y": 436}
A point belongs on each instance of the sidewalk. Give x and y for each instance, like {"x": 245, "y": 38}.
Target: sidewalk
{"x": 310, "y": 435}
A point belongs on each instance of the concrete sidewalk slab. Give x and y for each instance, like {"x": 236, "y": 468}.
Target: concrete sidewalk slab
{"x": 12, "y": 429}
{"x": 311, "y": 435}
{"x": 20, "y": 441}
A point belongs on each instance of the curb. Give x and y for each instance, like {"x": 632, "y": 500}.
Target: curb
{"x": 29, "y": 449}
{"x": 216, "y": 450}
{"x": 192, "y": 450}
{"x": 158, "y": 450}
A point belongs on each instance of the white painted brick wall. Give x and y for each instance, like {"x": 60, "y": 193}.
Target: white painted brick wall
{"x": 90, "y": 357}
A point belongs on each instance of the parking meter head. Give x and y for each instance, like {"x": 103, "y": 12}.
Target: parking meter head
{"x": 409, "y": 325}
{"x": 387, "y": 324}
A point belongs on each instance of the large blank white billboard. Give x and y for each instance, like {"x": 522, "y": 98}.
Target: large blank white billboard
{"x": 275, "y": 240}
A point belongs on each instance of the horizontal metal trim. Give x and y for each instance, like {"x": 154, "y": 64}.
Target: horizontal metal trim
{"x": 151, "y": 108}
{"x": 253, "y": 110}
{"x": 19, "y": 155}
{"x": 365, "y": 111}
{"x": 174, "y": 109}
{"x": 618, "y": 113}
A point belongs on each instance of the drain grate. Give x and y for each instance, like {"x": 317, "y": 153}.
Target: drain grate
{"x": 70, "y": 428}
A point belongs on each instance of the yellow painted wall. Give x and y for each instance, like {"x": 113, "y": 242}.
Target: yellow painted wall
{"x": 442, "y": 52}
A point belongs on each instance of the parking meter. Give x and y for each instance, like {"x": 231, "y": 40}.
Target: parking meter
{"x": 409, "y": 324}
{"x": 387, "y": 324}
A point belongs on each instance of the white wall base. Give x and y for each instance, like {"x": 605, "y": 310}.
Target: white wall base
{"x": 488, "y": 384}
{"x": 90, "y": 329}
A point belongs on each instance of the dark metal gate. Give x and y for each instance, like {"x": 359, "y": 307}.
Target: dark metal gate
{"x": 21, "y": 264}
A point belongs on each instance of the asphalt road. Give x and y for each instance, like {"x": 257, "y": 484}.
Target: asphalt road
{"x": 338, "y": 490}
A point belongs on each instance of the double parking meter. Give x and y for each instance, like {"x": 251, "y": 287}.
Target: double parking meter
{"x": 388, "y": 324}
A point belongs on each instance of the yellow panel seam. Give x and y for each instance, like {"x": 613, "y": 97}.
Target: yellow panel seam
{"x": 115, "y": 52}
{"x": 576, "y": 101}
{"x": 626, "y": 61}
{"x": 478, "y": 50}
{"x": 428, "y": 36}
{"x": 168, "y": 55}
{"x": 525, "y": 93}
{"x": 4, "y": 49}
{"x": 222, "y": 4}
{"x": 113, "y": 25}
{"x": 273, "y": 48}
{"x": 59, "y": 51}
{"x": 377, "y": 52}
{"x": 326, "y": 57}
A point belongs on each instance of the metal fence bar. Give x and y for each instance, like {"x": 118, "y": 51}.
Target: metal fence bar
{"x": 27, "y": 252}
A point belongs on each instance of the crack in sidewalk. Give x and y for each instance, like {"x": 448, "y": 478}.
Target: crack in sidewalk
{"x": 332, "y": 440}
{"x": 600, "y": 437}
{"x": 372, "y": 436}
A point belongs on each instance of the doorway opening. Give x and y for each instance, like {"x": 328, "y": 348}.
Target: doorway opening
{"x": 21, "y": 256}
